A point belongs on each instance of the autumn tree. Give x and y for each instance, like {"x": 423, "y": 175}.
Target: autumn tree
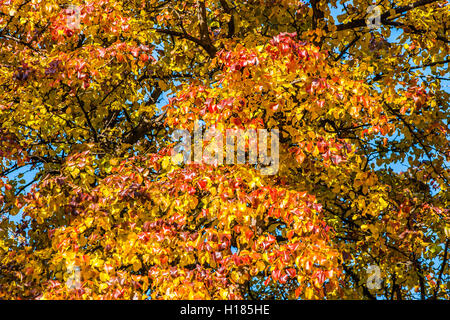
{"x": 93, "y": 205}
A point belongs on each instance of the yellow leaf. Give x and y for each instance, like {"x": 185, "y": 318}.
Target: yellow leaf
{"x": 261, "y": 265}
{"x": 104, "y": 277}
{"x": 178, "y": 159}
{"x": 309, "y": 293}
{"x": 165, "y": 163}
{"x": 137, "y": 265}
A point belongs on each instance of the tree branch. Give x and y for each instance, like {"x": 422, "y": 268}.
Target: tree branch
{"x": 441, "y": 272}
{"x": 209, "y": 48}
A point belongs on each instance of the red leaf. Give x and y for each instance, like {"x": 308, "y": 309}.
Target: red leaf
{"x": 276, "y": 274}
{"x": 284, "y": 278}
{"x": 202, "y": 184}
{"x": 298, "y": 292}
{"x": 143, "y": 57}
